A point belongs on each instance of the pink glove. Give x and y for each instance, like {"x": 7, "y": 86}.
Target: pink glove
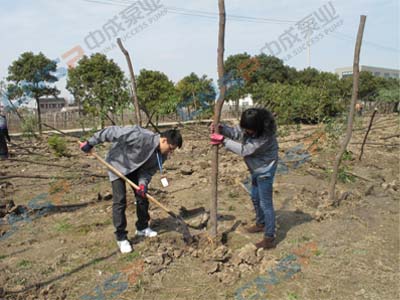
{"x": 216, "y": 139}
{"x": 212, "y": 128}
{"x": 141, "y": 191}
{"x": 85, "y": 147}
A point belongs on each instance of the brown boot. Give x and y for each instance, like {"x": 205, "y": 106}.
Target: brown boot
{"x": 266, "y": 243}
{"x": 255, "y": 228}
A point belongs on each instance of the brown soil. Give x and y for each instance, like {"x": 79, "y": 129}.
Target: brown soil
{"x": 57, "y": 241}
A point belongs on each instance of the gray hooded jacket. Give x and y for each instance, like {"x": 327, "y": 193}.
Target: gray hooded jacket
{"x": 258, "y": 153}
{"x": 134, "y": 149}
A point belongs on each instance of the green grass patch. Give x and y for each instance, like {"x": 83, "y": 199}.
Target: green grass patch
{"x": 300, "y": 240}
{"x": 58, "y": 145}
{"x": 343, "y": 175}
{"x": 130, "y": 257}
{"x": 47, "y": 271}
{"x": 84, "y": 229}
{"x": 348, "y": 156}
{"x": 233, "y": 194}
{"x": 97, "y": 261}
{"x": 24, "y": 264}
{"x": 360, "y": 252}
{"x": 292, "y": 296}
{"x": 62, "y": 226}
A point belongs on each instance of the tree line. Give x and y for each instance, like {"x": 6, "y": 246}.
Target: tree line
{"x": 99, "y": 86}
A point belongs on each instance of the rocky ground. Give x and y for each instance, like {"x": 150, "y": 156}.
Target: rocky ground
{"x": 56, "y": 234}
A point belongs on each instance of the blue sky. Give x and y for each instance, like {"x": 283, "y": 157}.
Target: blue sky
{"x": 184, "y": 38}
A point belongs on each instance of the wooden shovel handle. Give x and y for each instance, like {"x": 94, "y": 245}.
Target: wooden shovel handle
{"x": 119, "y": 174}
{"x": 186, "y": 233}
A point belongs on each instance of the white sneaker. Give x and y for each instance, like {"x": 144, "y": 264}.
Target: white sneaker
{"x": 148, "y": 232}
{"x": 124, "y": 246}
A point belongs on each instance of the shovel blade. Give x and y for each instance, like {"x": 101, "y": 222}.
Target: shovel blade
{"x": 187, "y": 237}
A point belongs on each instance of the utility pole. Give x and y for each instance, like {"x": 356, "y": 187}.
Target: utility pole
{"x": 309, "y": 46}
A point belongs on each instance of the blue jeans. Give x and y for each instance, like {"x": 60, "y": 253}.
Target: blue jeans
{"x": 261, "y": 195}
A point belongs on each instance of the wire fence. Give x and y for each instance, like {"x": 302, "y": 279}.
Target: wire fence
{"x": 74, "y": 120}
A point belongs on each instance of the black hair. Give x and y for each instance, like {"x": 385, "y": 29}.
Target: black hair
{"x": 258, "y": 119}
{"x": 173, "y": 136}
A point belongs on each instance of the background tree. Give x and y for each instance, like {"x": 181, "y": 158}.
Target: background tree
{"x": 100, "y": 85}
{"x": 156, "y": 93}
{"x": 32, "y": 76}
{"x": 368, "y": 89}
{"x": 270, "y": 69}
{"x": 196, "y": 92}
{"x": 295, "y": 103}
{"x": 238, "y": 69}
{"x": 371, "y": 88}
{"x": 326, "y": 81}
{"x": 389, "y": 94}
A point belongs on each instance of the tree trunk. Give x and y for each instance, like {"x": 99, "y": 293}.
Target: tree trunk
{"x": 356, "y": 77}
{"x": 79, "y": 105}
{"x": 237, "y": 108}
{"x": 39, "y": 117}
{"x": 217, "y": 116}
{"x": 194, "y": 102}
{"x": 138, "y": 119}
{"x": 102, "y": 115}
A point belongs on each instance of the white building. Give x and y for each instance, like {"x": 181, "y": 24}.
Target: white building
{"x": 376, "y": 71}
{"x": 244, "y": 103}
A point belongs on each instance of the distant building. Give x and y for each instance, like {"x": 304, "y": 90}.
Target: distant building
{"x": 376, "y": 71}
{"x": 244, "y": 103}
{"x": 51, "y": 104}
{"x": 70, "y": 109}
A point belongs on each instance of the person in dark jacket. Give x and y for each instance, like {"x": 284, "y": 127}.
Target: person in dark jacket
{"x": 3, "y": 136}
{"x": 256, "y": 142}
{"x": 137, "y": 153}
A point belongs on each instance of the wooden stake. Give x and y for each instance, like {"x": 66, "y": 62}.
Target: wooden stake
{"x": 217, "y": 117}
{"x": 366, "y": 134}
{"x": 138, "y": 119}
{"x": 356, "y": 77}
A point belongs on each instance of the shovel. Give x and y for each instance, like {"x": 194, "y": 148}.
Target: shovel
{"x": 187, "y": 237}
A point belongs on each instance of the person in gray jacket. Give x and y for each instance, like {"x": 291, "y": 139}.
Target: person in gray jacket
{"x": 256, "y": 142}
{"x": 3, "y": 136}
{"x": 137, "y": 153}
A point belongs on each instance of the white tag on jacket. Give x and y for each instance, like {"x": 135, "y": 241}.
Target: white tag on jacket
{"x": 164, "y": 182}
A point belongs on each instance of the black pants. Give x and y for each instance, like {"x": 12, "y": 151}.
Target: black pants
{"x": 119, "y": 207}
{"x": 3, "y": 146}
